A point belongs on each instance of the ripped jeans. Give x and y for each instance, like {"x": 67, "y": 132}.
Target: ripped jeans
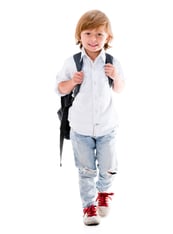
{"x": 96, "y": 160}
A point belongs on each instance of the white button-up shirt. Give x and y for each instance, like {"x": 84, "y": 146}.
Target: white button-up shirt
{"x": 93, "y": 111}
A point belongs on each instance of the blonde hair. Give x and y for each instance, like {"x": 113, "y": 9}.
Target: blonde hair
{"x": 90, "y": 20}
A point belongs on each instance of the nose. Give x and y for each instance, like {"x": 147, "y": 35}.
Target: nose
{"x": 93, "y": 38}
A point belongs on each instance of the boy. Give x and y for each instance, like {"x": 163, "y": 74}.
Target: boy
{"x": 93, "y": 119}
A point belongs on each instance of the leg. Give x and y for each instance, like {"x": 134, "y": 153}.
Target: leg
{"x": 107, "y": 160}
{"x": 85, "y": 161}
{"x": 107, "y": 164}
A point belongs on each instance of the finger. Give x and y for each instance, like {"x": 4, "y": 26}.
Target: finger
{"x": 108, "y": 65}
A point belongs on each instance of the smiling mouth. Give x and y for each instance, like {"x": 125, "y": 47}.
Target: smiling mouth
{"x": 93, "y": 45}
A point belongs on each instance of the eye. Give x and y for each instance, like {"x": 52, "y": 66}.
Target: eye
{"x": 87, "y": 33}
{"x": 100, "y": 34}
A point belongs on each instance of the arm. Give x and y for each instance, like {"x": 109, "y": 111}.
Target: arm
{"x": 118, "y": 82}
{"x": 66, "y": 87}
{"x": 118, "y": 85}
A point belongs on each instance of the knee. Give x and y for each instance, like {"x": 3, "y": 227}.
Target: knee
{"x": 87, "y": 172}
{"x": 112, "y": 172}
{"x": 108, "y": 174}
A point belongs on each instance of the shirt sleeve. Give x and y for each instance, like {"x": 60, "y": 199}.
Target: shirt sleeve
{"x": 65, "y": 73}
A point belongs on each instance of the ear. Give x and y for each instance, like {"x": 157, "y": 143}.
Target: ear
{"x": 108, "y": 39}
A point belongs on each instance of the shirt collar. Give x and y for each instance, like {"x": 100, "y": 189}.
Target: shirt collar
{"x": 102, "y": 54}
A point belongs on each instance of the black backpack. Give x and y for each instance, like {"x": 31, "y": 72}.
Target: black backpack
{"x": 67, "y": 101}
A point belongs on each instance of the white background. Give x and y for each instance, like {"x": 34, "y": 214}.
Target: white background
{"x": 37, "y": 196}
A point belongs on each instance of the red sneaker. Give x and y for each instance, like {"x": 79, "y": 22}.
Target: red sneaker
{"x": 103, "y": 200}
{"x": 91, "y": 216}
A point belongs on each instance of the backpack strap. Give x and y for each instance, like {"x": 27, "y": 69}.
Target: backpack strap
{"x": 109, "y": 59}
{"x": 79, "y": 63}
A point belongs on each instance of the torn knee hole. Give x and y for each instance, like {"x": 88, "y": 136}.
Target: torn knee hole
{"x": 111, "y": 172}
{"x": 88, "y": 172}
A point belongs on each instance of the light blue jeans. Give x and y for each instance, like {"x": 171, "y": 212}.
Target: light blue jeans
{"x": 96, "y": 160}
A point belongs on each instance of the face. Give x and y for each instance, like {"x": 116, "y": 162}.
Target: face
{"x": 93, "y": 40}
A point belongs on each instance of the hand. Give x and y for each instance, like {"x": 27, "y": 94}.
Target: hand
{"x": 77, "y": 78}
{"x": 110, "y": 71}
